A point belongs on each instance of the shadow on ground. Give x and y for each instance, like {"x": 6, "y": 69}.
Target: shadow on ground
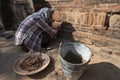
{"x": 101, "y": 71}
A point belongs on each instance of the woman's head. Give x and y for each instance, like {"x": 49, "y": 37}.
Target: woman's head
{"x": 46, "y": 14}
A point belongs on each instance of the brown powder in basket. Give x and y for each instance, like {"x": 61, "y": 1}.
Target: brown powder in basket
{"x": 31, "y": 63}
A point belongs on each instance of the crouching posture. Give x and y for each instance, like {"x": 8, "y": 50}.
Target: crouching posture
{"x": 29, "y": 35}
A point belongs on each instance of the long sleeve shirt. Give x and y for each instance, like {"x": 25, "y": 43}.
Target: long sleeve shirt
{"x": 30, "y": 32}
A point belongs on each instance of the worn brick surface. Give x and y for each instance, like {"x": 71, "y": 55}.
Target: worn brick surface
{"x": 57, "y": 15}
{"x": 98, "y": 38}
{"x": 101, "y": 17}
{"x": 93, "y": 20}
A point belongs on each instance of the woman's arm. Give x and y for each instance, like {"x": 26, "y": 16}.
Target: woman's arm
{"x": 44, "y": 26}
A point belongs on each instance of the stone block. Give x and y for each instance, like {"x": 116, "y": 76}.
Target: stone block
{"x": 113, "y": 33}
{"x": 114, "y": 46}
{"x": 114, "y": 21}
{"x": 106, "y": 50}
{"x": 110, "y": 51}
{"x": 116, "y": 52}
{"x": 100, "y": 44}
{"x": 99, "y": 38}
{"x": 87, "y": 41}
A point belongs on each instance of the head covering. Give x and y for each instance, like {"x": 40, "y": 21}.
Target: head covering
{"x": 44, "y": 13}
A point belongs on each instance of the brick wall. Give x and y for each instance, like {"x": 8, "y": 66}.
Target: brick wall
{"x": 96, "y": 22}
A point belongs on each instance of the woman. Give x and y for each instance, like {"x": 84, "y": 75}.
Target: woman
{"x": 30, "y": 32}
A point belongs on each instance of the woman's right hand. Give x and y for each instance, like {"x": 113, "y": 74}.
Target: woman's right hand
{"x": 55, "y": 33}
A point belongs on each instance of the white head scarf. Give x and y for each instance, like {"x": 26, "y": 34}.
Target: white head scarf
{"x": 43, "y": 13}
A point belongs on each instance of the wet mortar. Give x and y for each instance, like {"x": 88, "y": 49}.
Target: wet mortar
{"x": 73, "y": 58}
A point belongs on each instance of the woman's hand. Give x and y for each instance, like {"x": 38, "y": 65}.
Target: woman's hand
{"x": 55, "y": 33}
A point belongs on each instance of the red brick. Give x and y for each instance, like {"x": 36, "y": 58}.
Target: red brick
{"x": 64, "y": 16}
{"x": 81, "y": 19}
{"x": 57, "y": 15}
{"x": 92, "y": 18}
{"x": 101, "y": 17}
{"x": 86, "y": 17}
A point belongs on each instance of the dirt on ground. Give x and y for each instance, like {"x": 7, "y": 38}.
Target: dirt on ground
{"x": 102, "y": 66}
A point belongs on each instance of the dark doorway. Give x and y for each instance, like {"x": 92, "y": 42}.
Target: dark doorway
{"x": 7, "y": 14}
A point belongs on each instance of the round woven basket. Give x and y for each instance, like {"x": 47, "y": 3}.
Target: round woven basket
{"x": 20, "y": 71}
